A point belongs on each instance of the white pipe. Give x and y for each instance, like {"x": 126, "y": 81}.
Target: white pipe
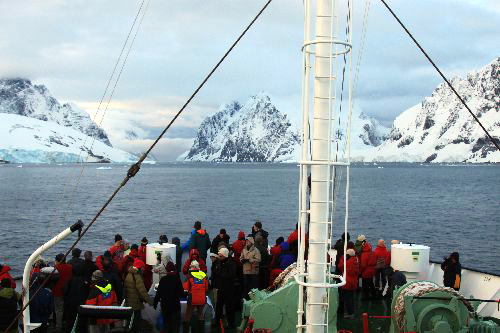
{"x": 318, "y": 226}
{"x": 349, "y": 119}
{"x": 29, "y": 265}
{"x": 303, "y": 168}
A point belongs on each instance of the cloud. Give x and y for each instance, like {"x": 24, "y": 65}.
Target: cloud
{"x": 72, "y": 47}
{"x": 165, "y": 150}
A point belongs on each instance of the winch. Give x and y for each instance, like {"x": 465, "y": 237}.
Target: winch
{"x": 425, "y": 307}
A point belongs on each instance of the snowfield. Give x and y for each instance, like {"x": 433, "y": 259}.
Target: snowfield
{"x": 29, "y": 140}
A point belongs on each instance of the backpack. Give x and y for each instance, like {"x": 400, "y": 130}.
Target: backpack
{"x": 380, "y": 263}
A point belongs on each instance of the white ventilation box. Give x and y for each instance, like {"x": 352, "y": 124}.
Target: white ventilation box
{"x": 153, "y": 249}
{"x": 411, "y": 259}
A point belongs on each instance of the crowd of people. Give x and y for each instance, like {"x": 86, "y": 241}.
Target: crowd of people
{"x": 121, "y": 276}
{"x": 373, "y": 268}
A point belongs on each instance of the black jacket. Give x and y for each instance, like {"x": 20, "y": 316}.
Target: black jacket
{"x": 224, "y": 272}
{"x": 112, "y": 276}
{"x": 169, "y": 293}
{"x": 201, "y": 241}
{"x": 77, "y": 289}
{"x": 88, "y": 268}
{"x": 75, "y": 261}
{"x": 178, "y": 250}
{"x": 451, "y": 270}
{"x": 216, "y": 241}
{"x": 8, "y": 307}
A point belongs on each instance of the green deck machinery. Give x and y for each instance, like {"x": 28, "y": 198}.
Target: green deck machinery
{"x": 425, "y": 307}
{"x": 277, "y": 310}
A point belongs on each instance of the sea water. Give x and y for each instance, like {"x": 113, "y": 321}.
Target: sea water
{"x": 447, "y": 207}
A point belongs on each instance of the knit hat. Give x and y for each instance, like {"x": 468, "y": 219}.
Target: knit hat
{"x": 241, "y": 235}
{"x": 361, "y": 238}
{"x": 170, "y": 267}
{"x": 251, "y": 239}
{"x": 194, "y": 265}
{"x": 144, "y": 240}
{"x": 60, "y": 257}
{"x": 224, "y": 252}
{"x": 351, "y": 252}
{"x": 118, "y": 237}
{"x": 138, "y": 263}
{"x": 97, "y": 275}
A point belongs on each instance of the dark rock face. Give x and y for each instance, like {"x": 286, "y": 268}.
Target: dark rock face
{"x": 254, "y": 132}
{"x": 19, "y": 96}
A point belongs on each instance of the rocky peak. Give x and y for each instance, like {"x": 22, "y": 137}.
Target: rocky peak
{"x": 19, "y": 96}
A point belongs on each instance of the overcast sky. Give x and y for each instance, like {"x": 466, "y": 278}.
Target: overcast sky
{"x": 71, "y": 47}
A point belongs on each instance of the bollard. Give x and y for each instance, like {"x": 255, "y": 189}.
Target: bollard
{"x": 364, "y": 317}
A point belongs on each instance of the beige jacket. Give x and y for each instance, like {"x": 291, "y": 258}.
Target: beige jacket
{"x": 135, "y": 291}
{"x": 252, "y": 265}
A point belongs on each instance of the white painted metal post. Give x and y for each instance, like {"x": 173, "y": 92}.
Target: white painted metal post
{"x": 318, "y": 228}
{"x": 27, "y": 271}
{"x": 304, "y": 169}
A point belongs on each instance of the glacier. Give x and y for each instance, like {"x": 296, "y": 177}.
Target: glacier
{"x": 30, "y": 140}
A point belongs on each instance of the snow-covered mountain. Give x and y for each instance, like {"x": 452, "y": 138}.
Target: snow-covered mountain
{"x": 29, "y": 140}
{"x": 21, "y": 97}
{"x": 255, "y": 131}
{"x": 440, "y": 129}
{"x": 36, "y": 128}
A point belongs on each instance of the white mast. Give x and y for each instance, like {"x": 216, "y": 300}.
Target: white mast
{"x": 319, "y": 161}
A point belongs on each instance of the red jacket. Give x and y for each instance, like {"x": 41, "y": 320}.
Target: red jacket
{"x": 102, "y": 296}
{"x": 352, "y": 272}
{"x": 276, "y": 250}
{"x": 4, "y": 274}
{"x": 238, "y": 246}
{"x": 142, "y": 253}
{"x": 368, "y": 261}
{"x": 197, "y": 286}
{"x": 381, "y": 253}
{"x": 194, "y": 254}
{"x": 294, "y": 237}
{"x": 65, "y": 272}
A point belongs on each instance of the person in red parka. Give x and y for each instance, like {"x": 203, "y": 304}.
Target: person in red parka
{"x": 101, "y": 294}
{"x": 142, "y": 249}
{"x": 382, "y": 258}
{"x": 238, "y": 246}
{"x": 4, "y": 274}
{"x": 276, "y": 249}
{"x": 65, "y": 272}
{"x": 194, "y": 254}
{"x": 367, "y": 270}
{"x": 351, "y": 281}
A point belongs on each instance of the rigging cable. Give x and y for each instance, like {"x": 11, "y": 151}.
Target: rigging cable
{"x": 118, "y": 60}
{"x": 343, "y": 79}
{"x": 441, "y": 74}
{"x": 338, "y": 179}
{"x": 135, "y": 167}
